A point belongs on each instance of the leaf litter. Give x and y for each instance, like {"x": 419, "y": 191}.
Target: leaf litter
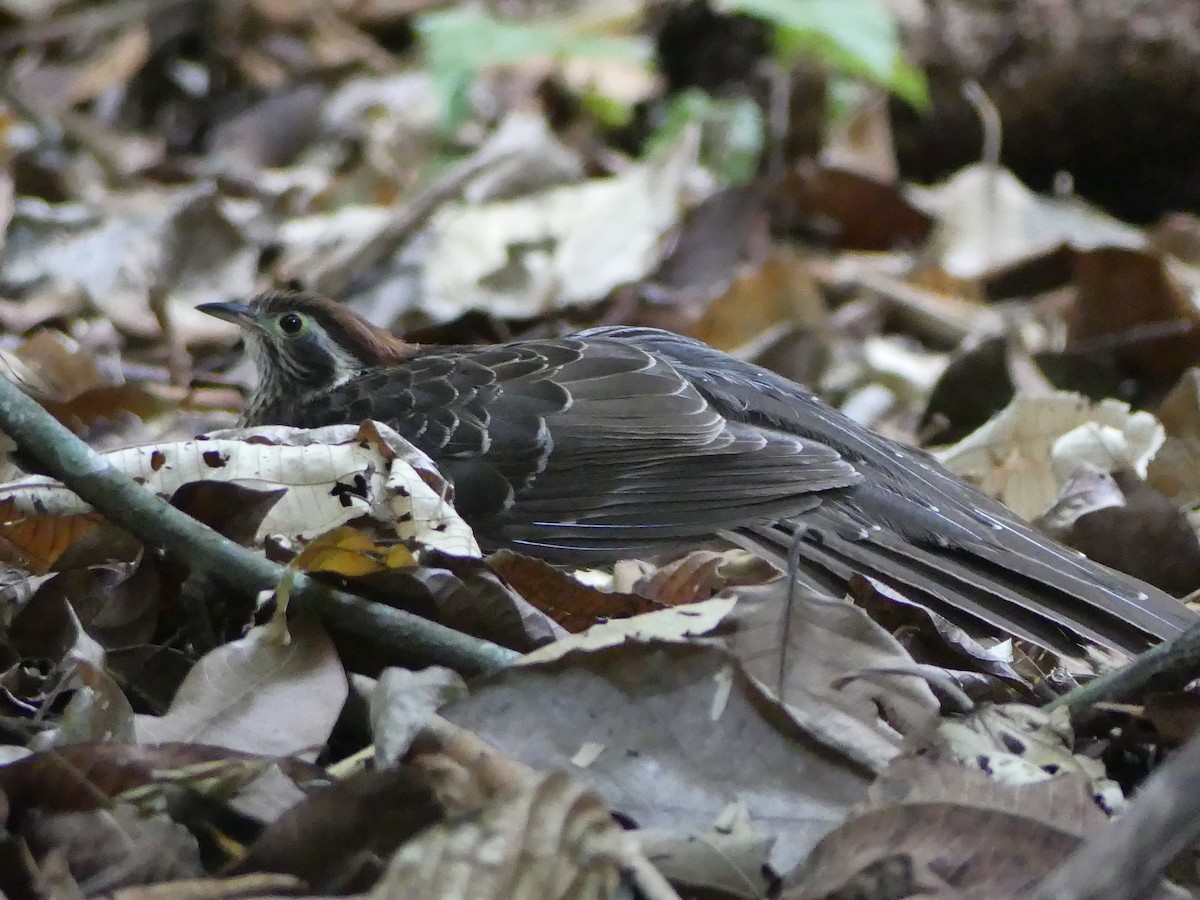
{"x": 472, "y": 176}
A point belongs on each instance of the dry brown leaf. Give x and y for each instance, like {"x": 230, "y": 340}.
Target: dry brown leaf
{"x": 861, "y": 140}
{"x": 729, "y": 859}
{"x": 551, "y": 840}
{"x": 702, "y": 573}
{"x": 844, "y": 676}
{"x": 87, "y": 776}
{"x": 855, "y": 211}
{"x": 984, "y": 673}
{"x": 181, "y": 241}
{"x": 146, "y": 401}
{"x": 53, "y": 300}
{"x": 1113, "y": 518}
{"x": 115, "y": 847}
{"x": 838, "y": 673}
{"x": 37, "y": 543}
{"x": 270, "y": 692}
{"x": 1175, "y": 717}
{"x": 7, "y": 198}
{"x": 116, "y": 604}
{"x": 97, "y": 711}
{"x": 116, "y": 61}
{"x": 336, "y": 838}
{"x": 466, "y": 771}
{"x": 1175, "y": 469}
{"x": 403, "y": 702}
{"x": 268, "y": 134}
{"x": 77, "y": 387}
{"x": 716, "y": 239}
{"x": 988, "y": 219}
{"x": 51, "y": 366}
{"x": 569, "y": 602}
{"x": 934, "y": 828}
{"x": 782, "y": 291}
{"x": 1088, "y": 490}
{"x": 48, "y": 627}
{"x": 1180, "y": 410}
{"x": 460, "y": 592}
{"x": 976, "y": 384}
{"x": 1154, "y": 339}
{"x": 669, "y": 734}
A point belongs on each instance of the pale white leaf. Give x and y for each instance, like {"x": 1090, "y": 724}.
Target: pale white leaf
{"x": 1024, "y": 454}
{"x": 559, "y": 247}
{"x": 679, "y": 623}
{"x": 379, "y": 475}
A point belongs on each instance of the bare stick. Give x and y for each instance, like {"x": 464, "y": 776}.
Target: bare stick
{"x": 159, "y": 524}
{"x": 1169, "y": 666}
{"x": 331, "y": 274}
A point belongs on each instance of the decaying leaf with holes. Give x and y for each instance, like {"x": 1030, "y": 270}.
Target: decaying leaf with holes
{"x": 328, "y": 477}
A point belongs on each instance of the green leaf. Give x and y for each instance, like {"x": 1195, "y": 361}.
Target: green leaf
{"x": 908, "y": 83}
{"x": 461, "y": 42}
{"x": 606, "y": 110}
{"x": 731, "y": 137}
{"x": 856, "y": 37}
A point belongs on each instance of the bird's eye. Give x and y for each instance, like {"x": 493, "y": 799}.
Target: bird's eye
{"x": 290, "y": 323}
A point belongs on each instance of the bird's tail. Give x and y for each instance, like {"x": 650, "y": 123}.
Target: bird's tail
{"x": 1020, "y": 585}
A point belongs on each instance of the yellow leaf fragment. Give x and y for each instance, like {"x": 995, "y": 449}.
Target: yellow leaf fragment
{"x": 349, "y": 552}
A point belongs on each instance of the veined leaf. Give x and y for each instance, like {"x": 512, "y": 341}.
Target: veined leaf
{"x": 461, "y": 42}
{"x": 857, "y": 37}
{"x": 732, "y": 132}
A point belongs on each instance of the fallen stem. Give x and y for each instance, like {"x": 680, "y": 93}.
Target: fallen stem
{"x": 153, "y": 520}
{"x": 1169, "y": 666}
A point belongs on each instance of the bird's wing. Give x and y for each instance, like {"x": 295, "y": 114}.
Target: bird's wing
{"x": 583, "y": 445}
{"x": 918, "y": 527}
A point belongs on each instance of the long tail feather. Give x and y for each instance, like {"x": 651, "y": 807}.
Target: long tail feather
{"x": 1033, "y": 595}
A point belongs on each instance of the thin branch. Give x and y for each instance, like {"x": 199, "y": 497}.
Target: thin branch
{"x": 159, "y": 524}
{"x": 332, "y": 274}
{"x": 1169, "y": 666}
{"x": 90, "y": 20}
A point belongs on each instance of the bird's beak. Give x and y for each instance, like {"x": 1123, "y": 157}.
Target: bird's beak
{"x": 237, "y": 313}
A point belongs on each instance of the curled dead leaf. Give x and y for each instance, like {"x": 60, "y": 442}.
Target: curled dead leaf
{"x": 1024, "y": 454}
{"x": 329, "y": 476}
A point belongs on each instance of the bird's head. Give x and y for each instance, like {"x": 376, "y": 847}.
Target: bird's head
{"x": 308, "y": 342}
{"x": 302, "y": 343}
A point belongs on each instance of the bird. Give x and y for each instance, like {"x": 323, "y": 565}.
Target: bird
{"x": 624, "y": 441}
